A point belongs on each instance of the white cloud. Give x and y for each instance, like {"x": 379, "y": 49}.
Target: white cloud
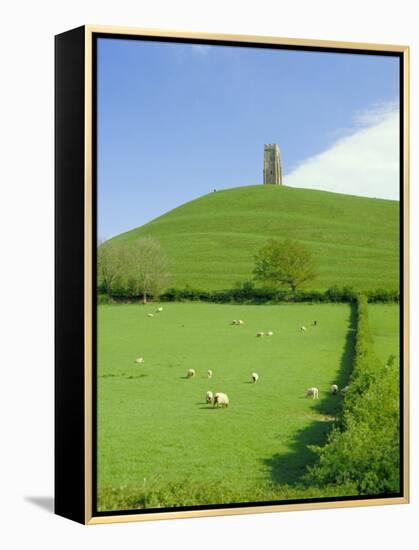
{"x": 365, "y": 163}
{"x": 201, "y": 49}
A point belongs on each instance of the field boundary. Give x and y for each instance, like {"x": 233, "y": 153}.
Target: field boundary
{"x": 363, "y": 451}
{"x": 247, "y": 294}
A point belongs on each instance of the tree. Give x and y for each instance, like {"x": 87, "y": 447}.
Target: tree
{"x": 112, "y": 260}
{"x": 149, "y": 267}
{"x": 284, "y": 262}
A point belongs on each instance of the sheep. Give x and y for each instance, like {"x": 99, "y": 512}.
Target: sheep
{"x": 270, "y": 333}
{"x": 191, "y": 373}
{"x": 344, "y": 390}
{"x": 209, "y": 373}
{"x": 255, "y": 377}
{"x": 312, "y": 392}
{"x": 159, "y": 309}
{"x": 260, "y": 334}
{"x": 139, "y": 360}
{"x": 334, "y": 389}
{"x": 221, "y": 400}
{"x": 240, "y": 322}
{"x": 150, "y": 314}
{"x": 303, "y": 328}
{"x": 209, "y": 397}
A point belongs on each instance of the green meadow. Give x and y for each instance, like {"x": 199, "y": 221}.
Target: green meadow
{"x": 160, "y": 444}
{"x": 385, "y": 326}
{"x": 212, "y": 240}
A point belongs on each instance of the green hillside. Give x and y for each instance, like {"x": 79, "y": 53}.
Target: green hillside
{"x": 212, "y": 239}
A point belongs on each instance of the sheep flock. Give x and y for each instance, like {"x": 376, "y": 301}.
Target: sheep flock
{"x": 221, "y": 399}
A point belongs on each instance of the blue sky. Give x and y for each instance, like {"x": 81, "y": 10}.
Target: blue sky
{"x": 177, "y": 120}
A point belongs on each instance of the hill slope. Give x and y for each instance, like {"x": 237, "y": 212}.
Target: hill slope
{"x": 212, "y": 239}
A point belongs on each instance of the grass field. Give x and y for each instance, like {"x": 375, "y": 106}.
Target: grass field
{"x": 160, "y": 444}
{"x": 212, "y": 240}
{"x": 384, "y": 322}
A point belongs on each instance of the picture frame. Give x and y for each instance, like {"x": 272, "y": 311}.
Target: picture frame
{"x": 78, "y": 151}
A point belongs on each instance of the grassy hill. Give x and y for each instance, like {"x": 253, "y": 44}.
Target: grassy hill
{"x": 212, "y": 240}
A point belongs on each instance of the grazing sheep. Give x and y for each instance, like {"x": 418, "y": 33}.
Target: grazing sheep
{"x": 344, "y": 390}
{"x": 240, "y": 322}
{"x": 209, "y": 373}
{"x": 221, "y": 400}
{"x": 209, "y": 397}
{"x": 159, "y": 309}
{"x": 312, "y": 392}
{"x": 334, "y": 389}
{"x": 303, "y": 328}
{"x": 260, "y": 334}
{"x": 139, "y": 360}
{"x": 191, "y": 373}
{"x": 150, "y": 314}
{"x": 255, "y": 377}
{"x": 270, "y": 333}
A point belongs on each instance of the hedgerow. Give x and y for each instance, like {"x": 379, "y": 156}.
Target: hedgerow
{"x": 365, "y": 449}
{"x": 248, "y": 294}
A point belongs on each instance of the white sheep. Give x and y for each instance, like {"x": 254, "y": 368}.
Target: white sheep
{"x": 303, "y": 328}
{"x": 344, "y": 390}
{"x": 240, "y": 322}
{"x": 255, "y": 377}
{"x": 191, "y": 373}
{"x": 139, "y": 360}
{"x": 150, "y": 314}
{"x": 312, "y": 392}
{"x": 221, "y": 400}
{"x": 209, "y": 373}
{"x": 334, "y": 389}
{"x": 270, "y": 333}
{"x": 159, "y": 309}
{"x": 260, "y": 334}
{"x": 209, "y": 397}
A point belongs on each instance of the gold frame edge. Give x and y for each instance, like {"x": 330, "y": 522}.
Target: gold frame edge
{"x": 90, "y": 519}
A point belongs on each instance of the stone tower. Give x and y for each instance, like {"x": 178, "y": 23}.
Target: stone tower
{"x": 272, "y": 171}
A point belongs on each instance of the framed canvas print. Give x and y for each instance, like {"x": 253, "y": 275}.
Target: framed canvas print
{"x": 231, "y": 274}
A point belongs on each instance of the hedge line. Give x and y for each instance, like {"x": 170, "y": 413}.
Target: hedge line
{"x": 250, "y": 295}
{"x": 364, "y": 451}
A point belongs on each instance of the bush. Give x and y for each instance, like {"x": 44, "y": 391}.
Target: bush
{"x": 365, "y": 450}
{"x": 103, "y": 299}
{"x": 246, "y": 293}
{"x": 382, "y": 295}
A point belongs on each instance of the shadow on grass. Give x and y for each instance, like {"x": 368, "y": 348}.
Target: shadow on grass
{"x": 288, "y": 468}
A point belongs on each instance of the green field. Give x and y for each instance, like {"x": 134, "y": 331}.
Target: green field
{"x": 160, "y": 444}
{"x": 384, "y": 322}
{"x": 212, "y": 240}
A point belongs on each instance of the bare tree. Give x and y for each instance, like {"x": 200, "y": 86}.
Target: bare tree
{"x": 112, "y": 260}
{"x": 149, "y": 267}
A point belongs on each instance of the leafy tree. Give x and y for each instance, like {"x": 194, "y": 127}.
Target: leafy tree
{"x": 149, "y": 268}
{"x": 284, "y": 263}
{"x": 112, "y": 259}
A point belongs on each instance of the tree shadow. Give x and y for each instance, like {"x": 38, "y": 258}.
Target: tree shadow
{"x": 330, "y": 404}
{"x": 287, "y": 468}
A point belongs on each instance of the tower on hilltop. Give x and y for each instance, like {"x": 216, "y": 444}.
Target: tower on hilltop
{"x": 272, "y": 171}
